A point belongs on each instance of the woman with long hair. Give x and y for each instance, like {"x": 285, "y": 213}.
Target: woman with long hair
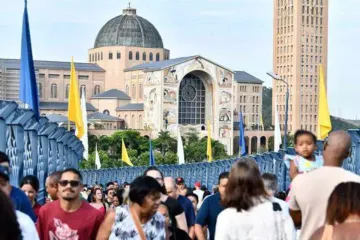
{"x": 98, "y": 200}
{"x": 342, "y": 214}
{"x": 30, "y": 186}
{"x": 250, "y": 213}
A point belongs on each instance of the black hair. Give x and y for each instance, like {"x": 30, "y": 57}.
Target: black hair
{"x": 193, "y": 195}
{"x": 223, "y": 175}
{"x": 270, "y": 181}
{"x": 119, "y": 194}
{"x": 32, "y": 180}
{"x": 141, "y": 187}
{"x": 301, "y": 132}
{"x": 109, "y": 183}
{"x": 203, "y": 188}
{"x": 4, "y": 158}
{"x": 55, "y": 177}
{"x": 72, "y": 170}
{"x": 8, "y": 221}
{"x": 153, "y": 168}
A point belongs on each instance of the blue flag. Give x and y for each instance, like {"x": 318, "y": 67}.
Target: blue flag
{"x": 28, "y": 87}
{"x": 151, "y": 156}
{"x": 242, "y": 145}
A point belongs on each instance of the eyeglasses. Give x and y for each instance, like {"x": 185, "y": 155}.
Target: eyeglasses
{"x": 73, "y": 183}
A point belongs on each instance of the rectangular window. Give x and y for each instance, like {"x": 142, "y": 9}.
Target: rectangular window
{"x": 83, "y": 77}
{"x": 66, "y": 76}
{"x": 54, "y": 75}
{"x": 41, "y": 75}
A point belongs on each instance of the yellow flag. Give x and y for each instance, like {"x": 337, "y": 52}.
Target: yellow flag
{"x": 209, "y": 150}
{"x": 261, "y": 122}
{"x": 324, "y": 122}
{"x": 74, "y": 108}
{"x": 125, "y": 156}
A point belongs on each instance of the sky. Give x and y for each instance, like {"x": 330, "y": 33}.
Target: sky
{"x": 236, "y": 34}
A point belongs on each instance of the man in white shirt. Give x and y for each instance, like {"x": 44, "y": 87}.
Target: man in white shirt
{"x": 271, "y": 187}
{"x": 310, "y": 192}
{"x": 199, "y": 193}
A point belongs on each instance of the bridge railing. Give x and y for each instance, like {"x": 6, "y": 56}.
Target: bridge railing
{"x": 207, "y": 173}
{"x": 35, "y": 147}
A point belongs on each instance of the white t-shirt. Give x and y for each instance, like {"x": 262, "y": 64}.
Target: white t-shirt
{"x": 27, "y": 226}
{"x": 284, "y": 205}
{"x": 258, "y": 223}
{"x": 310, "y": 193}
{"x": 200, "y": 194}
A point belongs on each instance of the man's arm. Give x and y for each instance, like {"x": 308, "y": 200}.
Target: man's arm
{"x": 202, "y": 220}
{"x": 296, "y": 217}
{"x": 294, "y": 208}
{"x": 181, "y": 222}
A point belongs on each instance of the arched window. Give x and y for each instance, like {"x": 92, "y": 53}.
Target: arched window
{"x": 67, "y": 91}
{"x": 137, "y": 56}
{"x": 110, "y": 55}
{"x": 130, "y": 55}
{"x": 133, "y": 91}
{"x": 40, "y": 90}
{"x": 140, "y": 91}
{"x": 118, "y": 55}
{"x": 82, "y": 88}
{"x": 127, "y": 90}
{"x": 89, "y": 57}
{"x": 97, "y": 89}
{"x": 151, "y": 57}
{"x": 158, "y": 57}
{"x": 107, "y": 112}
{"x": 96, "y": 58}
{"x": 144, "y": 56}
{"x": 53, "y": 92}
{"x": 93, "y": 57}
{"x": 140, "y": 126}
{"x": 101, "y": 55}
{"x": 133, "y": 122}
{"x": 126, "y": 121}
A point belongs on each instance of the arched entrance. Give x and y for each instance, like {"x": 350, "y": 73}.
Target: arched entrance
{"x": 192, "y": 99}
{"x": 254, "y": 145}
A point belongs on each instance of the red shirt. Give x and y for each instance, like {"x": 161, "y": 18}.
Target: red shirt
{"x": 36, "y": 209}
{"x": 56, "y": 224}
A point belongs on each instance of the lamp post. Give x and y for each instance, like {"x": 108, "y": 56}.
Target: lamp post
{"x": 278, "y": 78}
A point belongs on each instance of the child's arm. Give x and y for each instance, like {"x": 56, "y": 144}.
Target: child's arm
{"x": 293, "y": 170}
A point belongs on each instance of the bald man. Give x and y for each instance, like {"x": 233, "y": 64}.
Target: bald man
{"x": 310, "y": 192}
{"x": 51, "y": 184}
{"x": 185, "y": 203}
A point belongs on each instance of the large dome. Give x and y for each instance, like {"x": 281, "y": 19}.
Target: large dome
{"x": 129, "y": 30}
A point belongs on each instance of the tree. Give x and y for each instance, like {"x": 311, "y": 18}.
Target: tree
{"x": 267, "y": 107}
{"x": 165, "y": 143}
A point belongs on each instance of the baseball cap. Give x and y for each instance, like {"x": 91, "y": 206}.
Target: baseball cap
{"x": 197, "y": 184}
{"x": 179, "y": 180}
{"x": 4, "y": 172}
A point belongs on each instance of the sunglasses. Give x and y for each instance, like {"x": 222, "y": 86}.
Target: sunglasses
{"x": 73, "y": 183}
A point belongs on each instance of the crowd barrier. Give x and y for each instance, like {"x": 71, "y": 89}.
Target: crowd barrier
{"x": 207, "y": 173}
{"x": 35, "y": 147}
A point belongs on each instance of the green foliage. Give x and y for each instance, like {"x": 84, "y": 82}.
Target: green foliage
{"x": 267, "y": 107}
{"x": 164, "y": 148}
{"x": 338, "y": 124}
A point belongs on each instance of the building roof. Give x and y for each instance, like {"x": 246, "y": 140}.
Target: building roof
{"x": 103, "y": 117}
{"x": 244, "y": 77}
{"x": 62, "y": 106}
{"x": 54, "y": 65}
{"x": 131, "y": 107}
{"x": 129, "y": 29}
{"x": 56, "y": 118}
{"x": 112, "y": 94}
{"x": 156, "y": 66}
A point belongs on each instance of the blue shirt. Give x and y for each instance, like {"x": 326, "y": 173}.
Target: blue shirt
{"x": 208, "y": 213}
{"x": 21, "y": 202}
{"x": 188, "y": 209}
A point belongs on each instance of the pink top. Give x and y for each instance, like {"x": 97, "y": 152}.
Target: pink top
{"x": 102, "y": 210}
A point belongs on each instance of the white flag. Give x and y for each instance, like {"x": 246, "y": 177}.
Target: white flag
{"x": 277, "y": 131}
{"x": 84, "y": 138}
{"x": 97, "y": 158}
{"x": 180, "y": 149}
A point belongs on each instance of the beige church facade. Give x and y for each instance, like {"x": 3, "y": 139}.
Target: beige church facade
{"x": 131, "y": 83}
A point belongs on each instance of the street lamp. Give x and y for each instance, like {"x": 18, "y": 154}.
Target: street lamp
{"x": 278, "y": 78}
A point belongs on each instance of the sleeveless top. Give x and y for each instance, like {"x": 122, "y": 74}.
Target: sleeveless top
{"x": 303, "y": 165}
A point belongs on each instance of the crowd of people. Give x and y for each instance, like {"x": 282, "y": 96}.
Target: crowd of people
{"x": 322, "y": 202}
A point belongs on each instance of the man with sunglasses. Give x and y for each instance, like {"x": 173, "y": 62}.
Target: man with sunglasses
{"x": 69, "y": 217}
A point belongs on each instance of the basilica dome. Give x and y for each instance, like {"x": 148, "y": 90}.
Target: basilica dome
{"x": 129, "y": 30}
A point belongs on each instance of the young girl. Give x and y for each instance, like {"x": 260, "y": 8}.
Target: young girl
{"x": 305, "y": 160}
